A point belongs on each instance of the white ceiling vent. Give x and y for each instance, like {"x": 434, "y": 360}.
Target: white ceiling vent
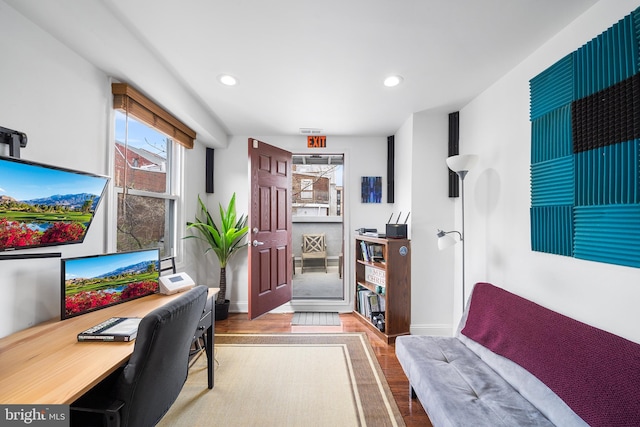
{"x": 310, "y": 131}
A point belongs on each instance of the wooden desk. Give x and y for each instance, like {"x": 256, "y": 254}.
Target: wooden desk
{"x": 45, "y": 364}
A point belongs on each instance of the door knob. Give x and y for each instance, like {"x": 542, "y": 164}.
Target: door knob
{"x": 256, "y": 243}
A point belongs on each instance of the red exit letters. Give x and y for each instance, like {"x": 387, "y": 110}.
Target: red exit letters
{"x": 316, "y": 141}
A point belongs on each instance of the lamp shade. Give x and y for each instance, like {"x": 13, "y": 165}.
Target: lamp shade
{"x": 446, "y": 240}
{"x": 462, "y": 162}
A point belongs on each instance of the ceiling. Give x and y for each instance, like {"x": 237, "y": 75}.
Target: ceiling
{"x": 304, "y": 63}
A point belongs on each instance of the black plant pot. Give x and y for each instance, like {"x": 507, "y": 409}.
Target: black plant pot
{"x": 222, "y": 310}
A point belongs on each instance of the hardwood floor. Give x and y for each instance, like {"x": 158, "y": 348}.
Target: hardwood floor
{"x": 411, "y": 409}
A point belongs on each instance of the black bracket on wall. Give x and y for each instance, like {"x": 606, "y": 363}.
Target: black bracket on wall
{"x": 30, "y": 256}
{"x": 391, "y": 182}
{"x": 15, "y": 139}
{"x": 454, "y": 149}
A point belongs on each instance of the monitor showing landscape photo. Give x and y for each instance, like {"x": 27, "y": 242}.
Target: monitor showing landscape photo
{"x": 94, "y": 282}
{"x": 43, "y": 205}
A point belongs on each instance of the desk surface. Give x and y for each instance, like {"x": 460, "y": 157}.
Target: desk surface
{"x": 45, "y": 364}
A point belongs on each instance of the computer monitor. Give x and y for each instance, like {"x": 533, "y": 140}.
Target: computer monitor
{"x": 44, "y": 205}
{"x": 94, "y": 282}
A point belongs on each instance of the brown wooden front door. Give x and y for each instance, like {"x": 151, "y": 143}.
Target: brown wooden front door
{"x": 270, "y": 266}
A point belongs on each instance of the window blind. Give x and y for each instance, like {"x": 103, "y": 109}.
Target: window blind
{"x": 133, "y": 102}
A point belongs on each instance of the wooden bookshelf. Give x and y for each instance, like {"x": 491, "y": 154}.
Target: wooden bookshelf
{"x": 383, "y": 273}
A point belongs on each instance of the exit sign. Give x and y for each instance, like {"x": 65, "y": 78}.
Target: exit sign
{"x": 316, "y": 141}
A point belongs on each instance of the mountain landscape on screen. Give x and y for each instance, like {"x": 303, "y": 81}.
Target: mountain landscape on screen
{"x": 42, "y": 205}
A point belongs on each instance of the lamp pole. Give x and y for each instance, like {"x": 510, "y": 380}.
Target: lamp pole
{"x": 461, "y": 164}
{"x": 462, "y": 174}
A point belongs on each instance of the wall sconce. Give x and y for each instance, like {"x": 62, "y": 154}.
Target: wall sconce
{"x": 460, "y": 164}
{"x": 445, "y": 240}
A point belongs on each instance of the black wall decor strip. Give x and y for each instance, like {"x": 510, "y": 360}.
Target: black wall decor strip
{"x": 209, "y": 170}
{"x": 454, "y": 149}
{"x": 607, "y": 117}
{"x": 390, "y": 168}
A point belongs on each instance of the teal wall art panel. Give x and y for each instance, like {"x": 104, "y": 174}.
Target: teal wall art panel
{"x": 608, "y": 233}
{"x": 551, "y": 135}
{"x": 608, "y": 59}
{"x": 552, "y": 88}
{"x": 552, "y": 229}
{"x": 585, "y": 150}
{"x": 608, "y": 175}
{"x": 552, "y": 182}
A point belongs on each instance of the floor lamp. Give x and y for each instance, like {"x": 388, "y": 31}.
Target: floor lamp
{"x": 460, "y": 164}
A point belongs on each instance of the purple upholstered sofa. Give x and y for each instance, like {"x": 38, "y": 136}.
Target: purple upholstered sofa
{"x": 516, "y": 363}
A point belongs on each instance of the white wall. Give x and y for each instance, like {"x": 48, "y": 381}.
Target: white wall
{"x": 496, "y": 126}
{"x": 63, "y": 104}
{"x": 433, "y": 271}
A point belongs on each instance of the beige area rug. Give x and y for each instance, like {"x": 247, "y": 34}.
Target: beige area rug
{"x": 287, "y": 380}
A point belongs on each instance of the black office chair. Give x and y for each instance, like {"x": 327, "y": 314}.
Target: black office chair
{"x": 168, "y": 266}
{"x": 141, "y": 392}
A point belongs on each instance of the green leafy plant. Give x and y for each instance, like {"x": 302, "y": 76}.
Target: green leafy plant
{"x": 225, "y": 240}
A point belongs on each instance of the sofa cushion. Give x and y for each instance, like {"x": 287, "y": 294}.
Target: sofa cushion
{"x": 596, "y": 373}
{"x": 457, "y": 389}
{"x": 530, "y": 387}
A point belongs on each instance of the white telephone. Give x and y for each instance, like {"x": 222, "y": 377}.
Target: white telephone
{"x": 173, "y": 283}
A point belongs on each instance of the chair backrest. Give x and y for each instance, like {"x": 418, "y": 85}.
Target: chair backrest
{"x": 313, "y": 243}
{"x": 167, "y": 266}
{"x": 158, "y": 367}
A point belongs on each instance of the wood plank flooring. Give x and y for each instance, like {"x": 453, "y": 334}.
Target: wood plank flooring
{"x": 411, "y": 409}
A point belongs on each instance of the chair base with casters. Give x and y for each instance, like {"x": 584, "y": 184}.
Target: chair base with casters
{"x": 139, "y": 393}
{"x": 94, "y": 410}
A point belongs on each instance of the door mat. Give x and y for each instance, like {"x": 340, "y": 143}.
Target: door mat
{"x": 315, "y": 318}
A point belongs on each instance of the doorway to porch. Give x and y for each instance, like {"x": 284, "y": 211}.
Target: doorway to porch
{"x": 317, "y": 209}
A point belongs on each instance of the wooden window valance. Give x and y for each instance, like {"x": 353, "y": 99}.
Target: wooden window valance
{"x": 133, "y": 102}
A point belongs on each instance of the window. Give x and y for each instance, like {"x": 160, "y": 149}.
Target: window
{"x": 317, "y": 185}
{"x": 147, "y": 170}
{"x": 143, "y": 177}
{"x": 306, "y": 189}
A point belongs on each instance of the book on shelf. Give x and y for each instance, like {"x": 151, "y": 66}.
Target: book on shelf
{"x": 365, "y": 251}
{"x": 374, "y": 303}
{"x": 369, "y": 302}
{"x": 376, "y": 252}
{"x": 372, "y": 252}
{"x": 112, "y": 329}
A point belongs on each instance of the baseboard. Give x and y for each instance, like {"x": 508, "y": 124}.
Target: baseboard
{"x": 436, "y": 330}
{"x": 298, "y": 305}
{"x": 442, "y": 330}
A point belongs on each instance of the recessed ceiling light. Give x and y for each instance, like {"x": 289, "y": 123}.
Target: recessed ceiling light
{"x": 392, "y": 81}
{"x": 227, "y": 80}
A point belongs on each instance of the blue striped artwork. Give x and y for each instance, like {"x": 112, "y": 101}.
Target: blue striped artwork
{"x": 371, "y": 189}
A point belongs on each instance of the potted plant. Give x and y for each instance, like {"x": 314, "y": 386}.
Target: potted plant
{"x": 224, "y": 240}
